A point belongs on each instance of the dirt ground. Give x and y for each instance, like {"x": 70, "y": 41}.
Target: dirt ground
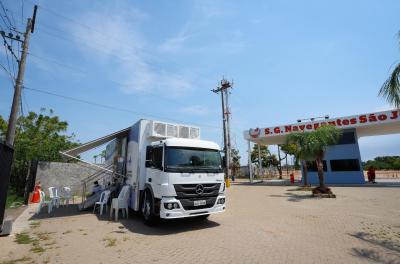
{"x": 262, "y": 224}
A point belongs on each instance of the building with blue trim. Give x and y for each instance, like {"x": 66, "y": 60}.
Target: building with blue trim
{"x": 342, "y": 162}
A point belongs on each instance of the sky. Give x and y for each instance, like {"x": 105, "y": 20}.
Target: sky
{"x": 160, "y": 60}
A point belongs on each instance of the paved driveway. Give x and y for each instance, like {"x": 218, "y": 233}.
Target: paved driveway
{"x": 263, "y": 224}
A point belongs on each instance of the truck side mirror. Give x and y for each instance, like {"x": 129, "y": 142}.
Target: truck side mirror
{"x": 149, "y": 163}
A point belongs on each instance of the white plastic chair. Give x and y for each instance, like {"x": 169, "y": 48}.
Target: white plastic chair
{"x": 67, "y": 195}
{"x": 53, "y": 191}
{"x": 44, "y": 202}
{"x": 120, "y": 203}
{"x": 102, "y": 201}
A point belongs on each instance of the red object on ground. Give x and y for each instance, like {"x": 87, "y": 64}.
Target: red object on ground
{"x": 371, "y": 174}
{"x": 291, "y": 178}
{"x": 36, "y": 194}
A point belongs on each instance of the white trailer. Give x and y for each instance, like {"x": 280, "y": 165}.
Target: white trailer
{"x": 171, "y": 172}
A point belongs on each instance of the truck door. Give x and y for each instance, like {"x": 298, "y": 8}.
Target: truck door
{"x": 154, "y": 168}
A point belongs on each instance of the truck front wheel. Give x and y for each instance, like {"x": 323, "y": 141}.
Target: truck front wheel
{"x": 148, "y": 209}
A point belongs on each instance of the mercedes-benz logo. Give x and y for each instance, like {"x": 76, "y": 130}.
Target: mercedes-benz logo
{"x": 199, "y": 189}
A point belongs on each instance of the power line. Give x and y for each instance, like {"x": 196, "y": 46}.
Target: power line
{"x": 8, "y": 62}
{"x": 25, "y": 101}
{"x": 22, "y": 11}
{"x": 112, "y": 107}
{"x": 80, "y": 71}
{"x": 5, "y": 23}
{"x": 9, "y": 47}
{"x": 11, "y": 27}
{"x": 51, "y": 11}
{"x": 55, "y": 13}
{"x": 70, "y": 67}
{"x": 93, "y": 44}
{"x": 90, "y": 45}
{"x": 9, "y": 73}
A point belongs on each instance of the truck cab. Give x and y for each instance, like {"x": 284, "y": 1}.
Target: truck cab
{"x": 183, "y": 178}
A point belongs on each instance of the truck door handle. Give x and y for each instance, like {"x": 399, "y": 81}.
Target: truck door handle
{"x": 149, "y": 179}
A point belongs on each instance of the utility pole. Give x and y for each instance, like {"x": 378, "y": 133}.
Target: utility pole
{"x": 20, "y": 78}
{"x": 6, "y": 150}
{"x": 223, "y": 88}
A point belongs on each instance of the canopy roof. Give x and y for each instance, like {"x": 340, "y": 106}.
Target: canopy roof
{"x": 378, "y": 123}
{"x": 97, "y": 142}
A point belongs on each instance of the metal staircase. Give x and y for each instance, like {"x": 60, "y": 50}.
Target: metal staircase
{"x": 107, "y": 177}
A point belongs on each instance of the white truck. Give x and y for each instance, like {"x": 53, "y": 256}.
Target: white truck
{"x": 171, "y": 172}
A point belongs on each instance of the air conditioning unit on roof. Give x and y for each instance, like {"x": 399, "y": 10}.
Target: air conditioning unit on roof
{"x": 166, "y": 130}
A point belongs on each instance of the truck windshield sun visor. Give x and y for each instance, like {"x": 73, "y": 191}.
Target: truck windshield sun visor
{"x": 181, "y": 159}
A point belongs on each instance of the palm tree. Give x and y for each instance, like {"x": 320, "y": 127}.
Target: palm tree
{"x": 312, "y": 146}
{"x": 95, "y": 158}
{"x": 390, "y": 89}
{"x": 102, "y": 156}
{"x": 298, "y": 140}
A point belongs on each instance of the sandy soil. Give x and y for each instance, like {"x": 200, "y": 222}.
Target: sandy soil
{"x": 274, "y": 224}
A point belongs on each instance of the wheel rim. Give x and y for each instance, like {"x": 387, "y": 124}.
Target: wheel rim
{"x": 146, "y": 207}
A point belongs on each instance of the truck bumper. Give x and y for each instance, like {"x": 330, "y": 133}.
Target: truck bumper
{"x": 181, "y": 212}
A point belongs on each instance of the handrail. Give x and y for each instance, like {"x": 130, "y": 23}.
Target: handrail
{"x": 98, "y": 172}
{"x": 91, "y": 164}
{"x": 101, "y": 173}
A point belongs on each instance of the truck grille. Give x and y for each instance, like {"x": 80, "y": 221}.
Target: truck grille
{"x": 189, "y": 190}
{"x": 188, "y": 204}
{"x": 186, "y": 194}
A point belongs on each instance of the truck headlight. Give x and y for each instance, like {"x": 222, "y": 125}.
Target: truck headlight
{"x": 170, "y": 206}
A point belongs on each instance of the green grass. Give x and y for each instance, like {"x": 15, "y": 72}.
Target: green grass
{"x": 37, "y": 248}
{"x": 24, "y": 238}
{"x": 14, "y": 261}
{"x": 34, "y": 224}
{"x": 13, "y": 199}
{"x": 44, "y": 235}
{"x": 111, "y": 242}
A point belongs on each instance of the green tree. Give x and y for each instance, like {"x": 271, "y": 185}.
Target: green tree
{"x": 291, "y": 149}
{"x": 390, "y": 89}
{"x": 383, "y": 163}
{"x": 102, "y": 156}
{"x": 312, "y": 146}
{"x": 39, "y": 136}
{"x": 265, "y": 155}
{"x": 267, "y": 159}
{"x": 293, "y": 146}
{"x": 279, "y": 164}
{"x": 235, "y": 162}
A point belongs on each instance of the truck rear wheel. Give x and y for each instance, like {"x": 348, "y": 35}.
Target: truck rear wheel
{"x": 149, "y": 218}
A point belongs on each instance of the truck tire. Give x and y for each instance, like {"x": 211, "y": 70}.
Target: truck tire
{"x": 149, "y": 218}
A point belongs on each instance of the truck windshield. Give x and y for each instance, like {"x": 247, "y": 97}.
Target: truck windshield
{"x": 178, "y": 159}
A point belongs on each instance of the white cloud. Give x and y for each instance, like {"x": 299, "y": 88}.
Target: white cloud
{"x": 117, "y": 43}
{"x": 174, "y": 44}
{"x": 256, "y": 21}
{"x": 205, "y": 15}
{"x": 199, "y": 110}
{"x": 212, "y": 9}
{"x": 383, "y": 108}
